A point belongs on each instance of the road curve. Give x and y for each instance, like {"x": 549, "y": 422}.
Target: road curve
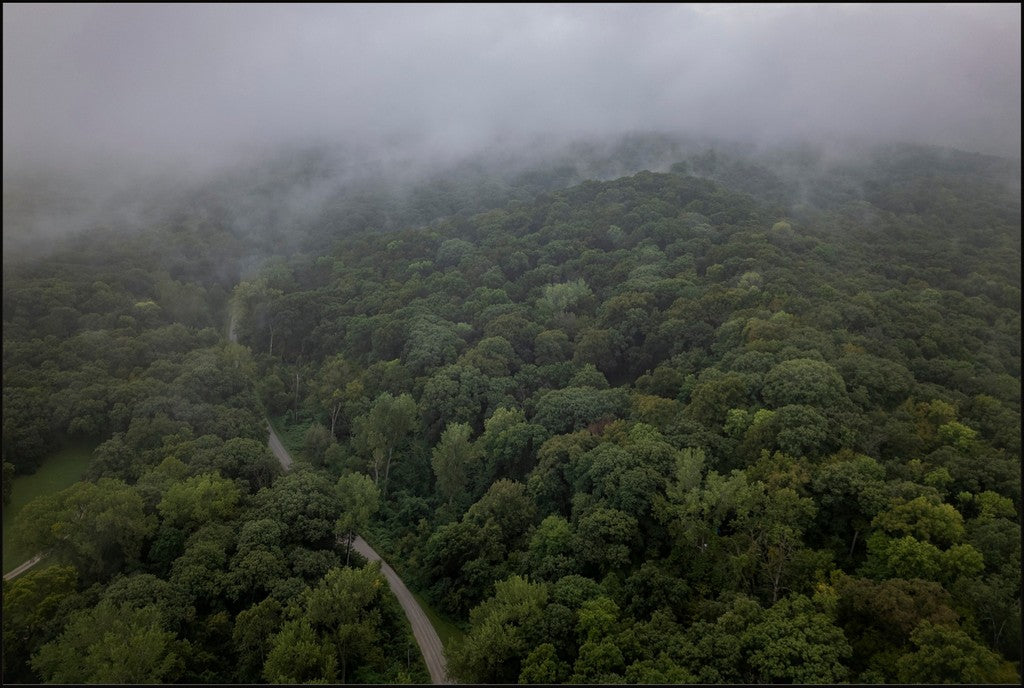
{"x": 426, "y": 637}
{"x": 422, "y": 629}
{"x": 24, "y": 567}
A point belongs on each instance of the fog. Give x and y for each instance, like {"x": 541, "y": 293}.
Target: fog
{"x": 114, "y": 95}
{"x": 196, "y": 84}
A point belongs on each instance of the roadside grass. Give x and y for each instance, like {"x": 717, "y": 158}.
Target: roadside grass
{"x": 446, "y": 629}
{"x": 292, "y": 435}
{"x": 58, "y": 471}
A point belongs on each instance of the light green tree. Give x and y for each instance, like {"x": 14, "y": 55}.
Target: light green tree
{"x": 360, "y": 499}
{"x": 379, "y": 432}
{"x": 98, "y": 527}
{"x": 317, "y": 440}
{"x": 945, "y": 654}
{"x": 298, "y": 655}
{"x": 452, "y": 460}
{"x": 199, "y": 500}
{"x": 494, "y": 649}
{"x": 111, "y": 644}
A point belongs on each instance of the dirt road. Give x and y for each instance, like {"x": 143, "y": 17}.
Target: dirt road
{"x": 24, "y": 567}
{"x": 422, "y": 629}
{"x": 279, "y": 451}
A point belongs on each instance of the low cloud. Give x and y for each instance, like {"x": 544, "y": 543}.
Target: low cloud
{"x": 171, "y": 85}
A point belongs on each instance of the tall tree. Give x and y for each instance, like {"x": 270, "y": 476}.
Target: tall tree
{"x": 360, "y": 499}
{"x": 452, "y": 460}
{"x": 330, "y": 386}
{"x": 380, "y": 431}
{"x": 98, "y": 527}
{"x": 110, "y": 644}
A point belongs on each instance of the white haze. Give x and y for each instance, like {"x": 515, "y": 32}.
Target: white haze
{"x": 120, "y": 97}
{"x": 199, "y": 84}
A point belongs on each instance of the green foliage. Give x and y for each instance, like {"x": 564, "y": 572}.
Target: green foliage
{"x": 143, "y": 590}
{"x": 36, "y": 605}
{"x": 558, "y": 298}
{"x": 542, "y": 665}
{"x": 501, "y": 635}
{"x": 573, "y": 408}
{"x": 254, "y": 628}
{"x": 60, "y": 470}
{"x": 110, "y": 644}
{"x": 337, "y": 634}
{"x": 98, "y": 527}
{"x": 379, "y": 433}
{"x": 317, "y": 441}
{"x": 945, "y": 654}
{"x": 509, "y": 444}
{"x": 604, "y": 538}
{"x": 794, "y": 642}
{"x": 199, "y": 500}
{"x": 297, "y": 655}
{"x": 925, "y": 519}
{"x": 803, "y": 381}
{"x": 8, "y": 478}
{"x": 452, "y": 460}
{"x": 463, "y": 559}
{"x": 879, "y": 616}
{"x": 360, "y": 499}
{"x": 552, "y": 346}
{"x": 790, "y": 641}
{"x": 792, "y": 387}
{"x": 305, "y": 502}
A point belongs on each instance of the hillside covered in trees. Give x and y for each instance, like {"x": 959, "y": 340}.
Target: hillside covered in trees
{"x": 751, "y": 418}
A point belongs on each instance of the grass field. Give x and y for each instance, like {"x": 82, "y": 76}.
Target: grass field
{"x": 58, "y": 471}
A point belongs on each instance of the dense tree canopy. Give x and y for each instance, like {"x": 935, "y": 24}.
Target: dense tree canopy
{"x": 756, "y": 419}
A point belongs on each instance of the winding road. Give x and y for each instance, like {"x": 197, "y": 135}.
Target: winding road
{"x": 422, "y": 629}
{"x": 426, "y": 637}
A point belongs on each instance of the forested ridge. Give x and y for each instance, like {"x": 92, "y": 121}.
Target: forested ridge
{"x": 755, "y": 418}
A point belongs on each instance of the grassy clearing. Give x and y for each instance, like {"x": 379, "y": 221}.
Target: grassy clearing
{"x": 58, "y": 471}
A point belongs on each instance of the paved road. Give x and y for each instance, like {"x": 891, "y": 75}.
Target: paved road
{"x": 422, "y": 629}
{"x": 24, "y": 567}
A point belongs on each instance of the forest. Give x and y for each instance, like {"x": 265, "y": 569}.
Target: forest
{"x": 650, "y": 412}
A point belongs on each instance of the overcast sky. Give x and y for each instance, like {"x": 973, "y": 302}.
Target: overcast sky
{"x": 187, "y": 83}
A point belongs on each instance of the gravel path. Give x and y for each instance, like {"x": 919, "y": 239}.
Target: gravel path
{"x": 24, "y": 567}
{"x": 422, "y": 629}
{"x": 279, "y": 451}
